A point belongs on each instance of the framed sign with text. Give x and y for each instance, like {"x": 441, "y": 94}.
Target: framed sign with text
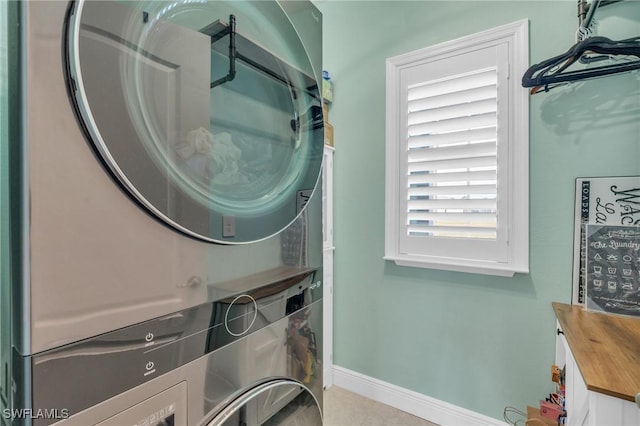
{"x": 611, "y": 201}
{"x": 613, "y": 269}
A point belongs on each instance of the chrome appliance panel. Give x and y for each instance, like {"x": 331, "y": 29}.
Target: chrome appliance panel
{"x": 137, "y": 354}
{"x": 93, "y": 262}
{"x": 96, "y": 262}
{"x": 284, "y": 349}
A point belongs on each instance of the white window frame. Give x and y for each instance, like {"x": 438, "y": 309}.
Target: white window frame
{"x": 513, "y": 160}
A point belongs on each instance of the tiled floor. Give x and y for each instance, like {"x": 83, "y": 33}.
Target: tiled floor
{"x": 344, "y": 408}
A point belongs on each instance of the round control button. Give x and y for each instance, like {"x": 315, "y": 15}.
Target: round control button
{"x": 240, "y": 315}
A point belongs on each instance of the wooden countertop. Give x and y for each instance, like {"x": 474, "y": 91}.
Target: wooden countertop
{"x": 606, "y": 348}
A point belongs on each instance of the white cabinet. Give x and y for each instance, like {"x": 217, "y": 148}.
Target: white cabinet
{"x": 327, "y": 239}
{"x": 597, "y": 392}
{"x": 327, "y": 198}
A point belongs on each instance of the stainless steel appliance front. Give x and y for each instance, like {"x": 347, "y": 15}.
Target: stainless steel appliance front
{"x": 251, "y": 359}
{"x": 167, "y": 163}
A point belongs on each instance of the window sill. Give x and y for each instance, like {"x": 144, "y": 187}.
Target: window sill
{"x": 458, "y": 265}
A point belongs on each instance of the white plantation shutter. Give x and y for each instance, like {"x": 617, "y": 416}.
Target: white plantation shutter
{"x": 452, "y": 156}
{"x": 457, "y": 155}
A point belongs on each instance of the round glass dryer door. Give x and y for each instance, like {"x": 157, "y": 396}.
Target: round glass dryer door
{"x": 207, "y": 113}
{"x": 276, "y": 402}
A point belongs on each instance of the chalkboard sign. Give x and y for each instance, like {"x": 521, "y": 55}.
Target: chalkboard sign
{"x": 611, "y": 201}
{"x": 613, "y": 269}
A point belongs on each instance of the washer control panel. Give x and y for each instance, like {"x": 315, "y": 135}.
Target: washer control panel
{"x": 123, "y": 359}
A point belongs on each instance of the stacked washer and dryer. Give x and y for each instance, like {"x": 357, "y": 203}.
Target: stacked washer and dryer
{"x": 166, "y": 216}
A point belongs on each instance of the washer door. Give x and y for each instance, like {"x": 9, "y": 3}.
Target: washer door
{"x": 275, "y": 402}
{"x": 207, "y": 113}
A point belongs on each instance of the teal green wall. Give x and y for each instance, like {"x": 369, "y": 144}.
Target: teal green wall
{"x": 478, "y": 342}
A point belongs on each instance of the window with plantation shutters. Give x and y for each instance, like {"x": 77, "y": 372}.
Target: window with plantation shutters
{"x": 452, "y": 156}
{"x": 457, "y": 155}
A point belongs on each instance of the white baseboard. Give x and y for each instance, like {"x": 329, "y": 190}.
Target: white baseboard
{"x": 434, "y": 410}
